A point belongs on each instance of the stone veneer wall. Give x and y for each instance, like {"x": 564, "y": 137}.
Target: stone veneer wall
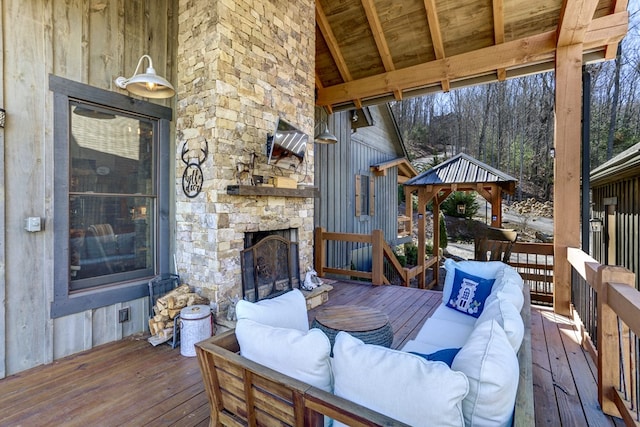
{"x": 241, "y": 64}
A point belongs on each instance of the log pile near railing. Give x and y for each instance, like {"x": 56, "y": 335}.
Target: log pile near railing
{"x": 380, "y": 251}
{"x": 618, "y": 328}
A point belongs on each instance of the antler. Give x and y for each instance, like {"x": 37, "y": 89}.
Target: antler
{"x": 185, "y": 150}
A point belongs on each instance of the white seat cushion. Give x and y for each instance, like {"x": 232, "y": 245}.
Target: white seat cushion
{"x": 491, "y": 366}
{"x": 288, "y": 310}
{"x": 400, "y": 385}
{"x": 300, "y": 355}
{"x": 444, "y": 334}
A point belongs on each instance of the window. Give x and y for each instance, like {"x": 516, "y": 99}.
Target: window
{"x": 111, "y": 186}
{"x": 364, "y": 195}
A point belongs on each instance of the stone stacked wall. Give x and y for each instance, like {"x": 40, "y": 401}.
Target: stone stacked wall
{"x": 242, "y": 65}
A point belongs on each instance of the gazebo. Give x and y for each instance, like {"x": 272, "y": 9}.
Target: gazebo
{"x": 460, "y": 173}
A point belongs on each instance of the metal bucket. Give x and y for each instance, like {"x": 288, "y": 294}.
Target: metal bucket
{"x": 195, "y": 326}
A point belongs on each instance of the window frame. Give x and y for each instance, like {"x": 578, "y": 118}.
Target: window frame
{"x": 66, "y": 302}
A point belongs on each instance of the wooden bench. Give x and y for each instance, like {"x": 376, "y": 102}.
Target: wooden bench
{"x": 244, "y": 393}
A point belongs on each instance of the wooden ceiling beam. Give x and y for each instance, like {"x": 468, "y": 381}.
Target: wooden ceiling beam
{"x": 498, "y": 31}
{"x": 332, "y": 42}
{"x": 538, "y": 48}
{"x": 378, "y": 35}
{"x": 436, "y": 36}
{"x": 575, "y": 17}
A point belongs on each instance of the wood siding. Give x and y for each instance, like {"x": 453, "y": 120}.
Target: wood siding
{"x": 88, "y": 42}
{"x": 336, "y": 167}
{"x": 624, "y": 196}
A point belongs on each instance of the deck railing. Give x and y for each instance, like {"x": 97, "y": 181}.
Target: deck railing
{"x": 534, "y": 262}
{"x": 363, "y": 256}
{"x": 606, "y": 298}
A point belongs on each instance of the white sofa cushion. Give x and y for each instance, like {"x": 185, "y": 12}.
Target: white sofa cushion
{"x": 510, "y": 284}
{"x": 288, "y": 310}
{"x": 444, "y": 333}
{"x": 398, "y": 384}
{"x": 491, "y": 367}
{"x": 300, "y": 355}
{"x": 469, "y": 293}
{"x": 450, "y": 315}
{"x": 502, "y": 311}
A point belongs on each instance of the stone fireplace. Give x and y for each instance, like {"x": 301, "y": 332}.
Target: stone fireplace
{"x": 256, "y": 64}
{"x": 270, "y": 264}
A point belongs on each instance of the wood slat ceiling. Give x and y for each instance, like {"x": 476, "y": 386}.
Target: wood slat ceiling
{"x": 373, "y": 51}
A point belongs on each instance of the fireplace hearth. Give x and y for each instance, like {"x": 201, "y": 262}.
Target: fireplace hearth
{"x": 270, "y": 264}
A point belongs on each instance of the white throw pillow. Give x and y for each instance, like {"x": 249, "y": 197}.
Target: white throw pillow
{"x": 300, "y": 355}
{"x": 484, "y": 269}
{"x": 503, "y": 312}
{"x": 491, "y": 366}
{"x": 400, "y": 385}
{"x": 510, "y": 284}
{"x": 285, "y": 311}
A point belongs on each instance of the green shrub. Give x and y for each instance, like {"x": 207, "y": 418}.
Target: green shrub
{"x": 450, "y": 205}
{"x": 444, "y": 239}
{"x": 411, "y": 252}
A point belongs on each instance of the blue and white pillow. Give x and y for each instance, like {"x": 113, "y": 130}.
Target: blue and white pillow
{"x": 469, "y": 293}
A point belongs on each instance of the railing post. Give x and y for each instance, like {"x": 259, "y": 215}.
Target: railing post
{"x": 377, "y": 270}
{"x": 608, "y": 342}
{"x": 320, "y": 251}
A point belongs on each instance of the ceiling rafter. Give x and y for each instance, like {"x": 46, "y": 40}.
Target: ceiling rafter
{"x": 498, "y": 31}
{"x": 538, "y": 48}
{"x": 436, "y": 36}
{"x": 332, "y": 43}
{"x": 575, "y": 18}
{"x": 380, "y": 39}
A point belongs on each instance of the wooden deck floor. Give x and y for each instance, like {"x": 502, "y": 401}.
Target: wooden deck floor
{"x": 131, "y": 383}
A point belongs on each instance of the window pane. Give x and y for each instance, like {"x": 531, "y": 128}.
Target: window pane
{"x": 112, "y": 198}
{"x": 110, "y": 153}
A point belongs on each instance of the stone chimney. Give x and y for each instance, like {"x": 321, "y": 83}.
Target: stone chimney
{"x": 241, "y": 65}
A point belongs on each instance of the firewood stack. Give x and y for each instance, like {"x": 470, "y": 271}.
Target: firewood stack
{"x": 168, "y": 307}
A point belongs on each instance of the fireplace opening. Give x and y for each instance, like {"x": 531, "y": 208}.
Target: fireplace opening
{"x": 270, "y": 264}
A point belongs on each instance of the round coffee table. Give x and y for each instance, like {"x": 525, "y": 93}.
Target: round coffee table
{"x": 367, "y": 324}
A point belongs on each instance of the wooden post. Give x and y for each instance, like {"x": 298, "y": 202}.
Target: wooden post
{"x": 320, "y": 252}
{"x": 566, "y": 201}
{"x": 377, "y": 240}
{"x": 608, "y": 342}
{"x": 422, "y": 211}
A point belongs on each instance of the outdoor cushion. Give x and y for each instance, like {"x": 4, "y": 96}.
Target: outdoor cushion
{"x": 503, "y": 312}
{"x": 444, "y": 333}
{"x": 491, "y": 367}
{"x": 469, "y": 292}
{"x": 285, "y": 311}
{"x": 398, "y": 384}
{"x": 447, "y": 313}
{"x": 486, "y": 270}
{"x": 300, "y": 355}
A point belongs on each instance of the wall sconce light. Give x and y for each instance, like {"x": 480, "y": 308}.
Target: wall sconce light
{"x": 461, "y": 208}
{"x": 595, "y": 224}
{"x": 3, "y": 117}
{"x": 325, "y": 137}
{"x": 552, "y": 152}
{"x": 149, "y": 84}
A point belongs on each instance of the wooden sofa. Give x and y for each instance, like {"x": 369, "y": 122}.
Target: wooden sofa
{"x": 244, "y": 393}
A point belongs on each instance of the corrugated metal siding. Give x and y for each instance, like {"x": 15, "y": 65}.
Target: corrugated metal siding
{"x": 627, "y": 219}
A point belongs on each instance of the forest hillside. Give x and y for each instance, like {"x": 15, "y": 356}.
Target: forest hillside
{"x": 510, "y": 125}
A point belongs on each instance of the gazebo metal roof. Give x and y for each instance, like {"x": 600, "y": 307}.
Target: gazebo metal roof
{"x": 462, "y": 169}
